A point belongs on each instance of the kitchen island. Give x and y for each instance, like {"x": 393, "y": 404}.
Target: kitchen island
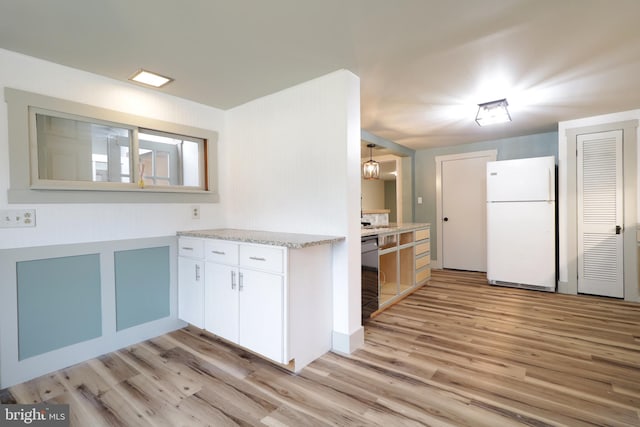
{"x": 267, "y": 292}
{"x": 402, "y": 264}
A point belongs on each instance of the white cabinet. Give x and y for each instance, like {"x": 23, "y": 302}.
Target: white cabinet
{"x": 261, "y": 324}
{"x": 222, "y": 301}
{"x": 191, "y": 280}
{"x": 272, "y": 300}
{"x": 244, "y": 296}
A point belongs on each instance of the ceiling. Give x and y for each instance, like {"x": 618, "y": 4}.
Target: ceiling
{"x": 424, "y": 65}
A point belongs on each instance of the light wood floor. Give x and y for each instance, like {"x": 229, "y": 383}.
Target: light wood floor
{"x": 456, "y": 352}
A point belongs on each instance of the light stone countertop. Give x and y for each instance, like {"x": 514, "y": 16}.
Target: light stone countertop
{"x": 289, "y": 240}
{"x": 393, "y": 228}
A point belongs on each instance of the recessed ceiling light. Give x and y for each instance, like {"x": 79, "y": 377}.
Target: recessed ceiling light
{"x": 150, "y": 79}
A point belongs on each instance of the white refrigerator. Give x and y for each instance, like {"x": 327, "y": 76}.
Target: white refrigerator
{"x": 521, "y": 223}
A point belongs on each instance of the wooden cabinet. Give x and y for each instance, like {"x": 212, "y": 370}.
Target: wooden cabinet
{"x": 404, "y": 263}
{"x": 272, "y": 300}
{"x": 423, "y": 255}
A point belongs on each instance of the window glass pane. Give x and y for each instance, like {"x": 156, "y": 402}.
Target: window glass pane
{"x": 161, "y": 165}
{"x": 125, "y": 163}
{"x": 74, "y": 150}
{"x": 174, "y": 160}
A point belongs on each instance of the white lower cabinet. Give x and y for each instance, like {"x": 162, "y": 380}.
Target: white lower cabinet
{"x": 191, "y": 282}
{"x": 272, "y": 300}
{"x": 262, "y": 314}
{"x": 222, "y": 301}
{"x": 246, "y": 307}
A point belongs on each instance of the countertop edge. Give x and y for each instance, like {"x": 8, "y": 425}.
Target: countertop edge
{"x": 393, "y": 228}
{"x": 266, "y": 238}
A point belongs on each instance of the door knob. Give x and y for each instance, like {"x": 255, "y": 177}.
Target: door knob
{"x": 618, "y": 229}
{"x": 445, "y": 219}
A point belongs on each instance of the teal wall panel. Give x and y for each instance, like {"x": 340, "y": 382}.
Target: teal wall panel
{"x": 142, "y": 286}
{"x": 59, "y": 303}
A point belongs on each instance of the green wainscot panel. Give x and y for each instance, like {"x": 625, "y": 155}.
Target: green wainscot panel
{"x": 58, "y": 303}
{"x": 142, "y": 286}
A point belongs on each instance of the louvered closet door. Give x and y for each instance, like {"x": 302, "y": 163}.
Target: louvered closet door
{"x": 600, "y": 248}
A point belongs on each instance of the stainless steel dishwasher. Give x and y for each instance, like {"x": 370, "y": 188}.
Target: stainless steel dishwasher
{"x": 369, "y": 276}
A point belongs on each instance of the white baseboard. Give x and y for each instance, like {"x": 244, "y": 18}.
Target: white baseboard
{"x": 347, "y": 344}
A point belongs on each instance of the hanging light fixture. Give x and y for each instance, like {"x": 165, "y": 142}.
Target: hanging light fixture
{"x": 371, "y": 168}
{"x": 493, "y": 112}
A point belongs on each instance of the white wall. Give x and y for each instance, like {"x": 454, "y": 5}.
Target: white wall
{"x": 293, "y": 164}
{"x": 74, "y": 223}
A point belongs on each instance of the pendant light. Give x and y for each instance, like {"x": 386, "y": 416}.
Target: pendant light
{"x": 371, "y": 168}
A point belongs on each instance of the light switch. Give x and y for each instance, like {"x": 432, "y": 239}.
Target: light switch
{"x": 419, "y": 200}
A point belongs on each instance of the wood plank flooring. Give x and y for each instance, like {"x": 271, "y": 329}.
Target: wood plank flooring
{"x": 455, "y": 353}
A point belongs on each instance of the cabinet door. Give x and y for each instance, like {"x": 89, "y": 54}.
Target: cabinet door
{"x": 221, "y": 301}
{"x": 262, "y": 313}
{"x": 191, "y": 291}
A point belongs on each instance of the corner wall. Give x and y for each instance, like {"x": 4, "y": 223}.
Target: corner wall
{"x": 293, "y": 165}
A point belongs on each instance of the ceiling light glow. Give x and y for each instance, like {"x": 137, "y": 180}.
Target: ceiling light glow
{"x": 493, "y": 112}
{"x": 150, "y": 79}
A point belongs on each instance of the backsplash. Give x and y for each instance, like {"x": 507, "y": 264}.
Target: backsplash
{"x": 375, "y": 219}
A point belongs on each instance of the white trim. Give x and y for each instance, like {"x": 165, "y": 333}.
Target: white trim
{"x": 347, "y": 344}
{"x": 491, "y": 154}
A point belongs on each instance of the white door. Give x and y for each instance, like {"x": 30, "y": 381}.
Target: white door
{"x": 191, "y": 291}
{"x": 600, "y": 215}
{"x": 464, "y": 220}
{"x": 262, "y": 313}
{"x": 221, "y": 301}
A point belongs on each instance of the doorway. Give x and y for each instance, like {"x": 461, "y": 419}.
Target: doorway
{"x": 600, "y": 214}
{"x": 461, "y": 210}
{"x": 581, "y": 247}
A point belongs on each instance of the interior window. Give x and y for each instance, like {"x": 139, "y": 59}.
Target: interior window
{"x": 76, "y": 149}
{"x": 62, "y": 151}
{"x": 170, "y": 159}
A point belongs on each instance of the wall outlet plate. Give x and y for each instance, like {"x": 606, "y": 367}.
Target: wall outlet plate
{"x": 195, "y": 212}
{"x": 13, "y": 218}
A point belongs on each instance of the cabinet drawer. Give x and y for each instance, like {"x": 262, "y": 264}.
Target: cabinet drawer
{"x": 221, "y": 251}
{"x": 422, "y": 248}
{"x": 191, "y": 247}
{"x": 269, "y": 258}
{"x": 423, "y": 234}
{"x": 423, "y": 275}
{"x": 423, "y": 261}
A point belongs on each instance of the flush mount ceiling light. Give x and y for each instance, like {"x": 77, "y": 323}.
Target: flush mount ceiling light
{"x": 150, "y": 79}
{"x": 371, "y": 168}
{"x": 493, "y": 112}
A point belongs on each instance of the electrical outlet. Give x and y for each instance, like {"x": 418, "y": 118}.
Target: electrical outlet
{"x": 13, "y": 218}
{"x": 195, "y": 212}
